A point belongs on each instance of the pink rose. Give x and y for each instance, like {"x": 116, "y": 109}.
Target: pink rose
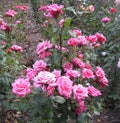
{"x": 99, "y": 72}
{"x": 92, "y": 8}
{"x": 44, "y": 77}
{"x": 118, "y": 64}
{"x": 64, "y": 86}
{"x": 103, "y": 81}
{"x": 113, "y": 10}
{"x": 21, "y": 87}
{"x": 67, "y": 66}
{"x": 72, "y": 73}
{"x": 79, "y": 92}
{"x": 39, "y": 65}
{"x": 92, "y": 39}
{"x": 77, "y": 32}
{"x": 81, "y": 40}
{"x": 100, "y": 37}
{"x": 11, "y": 13}
{"x": 87, "y": 73}
{"x": 72, "y": 42}
{"x": 17, "y": 48}
{"x": 61, "y": 22}
{"x": 30, "y": 73}
{"x": 57, "y": 73}
{"x": 105, "y": 20}
{"x": 93, "y": 91}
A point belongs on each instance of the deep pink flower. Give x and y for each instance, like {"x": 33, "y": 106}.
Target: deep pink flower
{"x": 52, "y": 11}
{"x": 30, "y": 73}
{"x": 113, "y": 10}
{"x": 78, "y": 62}
{"x": 103, "y": 81}
{"x": 88, "y": 66}
{"x": 80, "y": 108}
{"x": 100, "y": 37}
{"x": 105, "y": 20}
{"x": 92, "y": 91}
{"x": 24, "y": 8}
{"x": 72, "y": 42}
{"x": 99, "y": 72}
{"x": 72, "y": 73}
{"x": 44, "y": 77}
{"x": 92, "y": 39}
{"x": 81, "y": 40}
{"x": 79, "y": 92}
{"x": 17, "y": 48}
{"x": 87, "y": 73}
{"x": 61, "y": 22}
{"x": 11, "y": 13}
{"x": 77, "y": 32}
{"x": 39, "y": 65}
{"x": 3, "y": 26}
{"x": 64, "y": 86}
{"x": 68, "y": 66}
{"x": 21, "y": 87}
{"x": 92, "y": 8}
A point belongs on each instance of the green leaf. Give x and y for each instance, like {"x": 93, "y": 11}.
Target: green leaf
{"x": 71, "y": 9}
{"x": 67, "y": 22}
{"x": 59, "y": 99}
{"x": 71, "y": 33}
{"x": 2, "y": 37}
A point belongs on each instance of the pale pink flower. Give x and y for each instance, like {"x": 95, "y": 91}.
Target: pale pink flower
{"x": 79, "y": 92}
{"x": 11, "y": 13}
{"x": 78, "y": 62}
{"x": 117, "y": 2}
{"x": 3, "y": 26}
{"x": 57, "y": 73}
{"x": 67, "y": 66}
{"x": 72, "y": 73}
{"x": 50, "y": 89}
{"x": 52, "y": 11}
{"x": 118, "y": 64}
{"x": 92, "y": 8}
{"x": 99, "y": 72}
{"x": 30, "y": 73}
{"x": 87, "y": 73}
{"x": 63, "y": 48}
{"x": 3, "y": 43}
{"x": 100, "y": 37}
{"x": 64, "y": 86}
{"x": 39, "y": 65}
{"x": 61, "y": 22}
{"x": 42, "y": 49}
{"x": 18, "y": 22}
{"x": 17, "y": 48}
{"x": 77, "y": 32}
{"x": 92, "y": 91}
{"x": 44, "y": 77}
{"x": 21, "y": 87}
{"x": 105, "y": 20}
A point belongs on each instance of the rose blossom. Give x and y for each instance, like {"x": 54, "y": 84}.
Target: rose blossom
{"x": 87, "y": 73}
{"x": 79, "y": 92}
{"x": 93, "y": 91}
{"x": 103, "y": 81}
{"x": 61, "y": 22}
{"x": 57, "y": 73}
{"x": 113, "y": 10}
{"x": 52, "y": 11}
{"x": 39, "y": 65}
{"x": 77, "y": 32}
{"x": 99, "y": 72}
{"x": 105, "y": 20}
{"x": 17, "y": 48}
{"x": 92, "y": 39}
{"x": 21, "y": 87}
{"x": 78, "y": 62}
{"x": 30, "y": 73}
{"x": 72, "y": 42}
{"x": 91, "y": 8}
{"x": 44, "y": 77}
{"x": 100, "y": 37}
{"x": 11, "y": 13}
{"x": 24, "y": 8}
{"x": 64, "y": 86}
{"x": 72, "y": 73}
{"x": 67, "y": 66}
{"x": 81, "y": 40}
{"x": 118, "y": 64}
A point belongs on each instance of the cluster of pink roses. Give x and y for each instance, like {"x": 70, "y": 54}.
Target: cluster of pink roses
{"x": 66, "y": 83}
{"x": 23, "y": 8}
